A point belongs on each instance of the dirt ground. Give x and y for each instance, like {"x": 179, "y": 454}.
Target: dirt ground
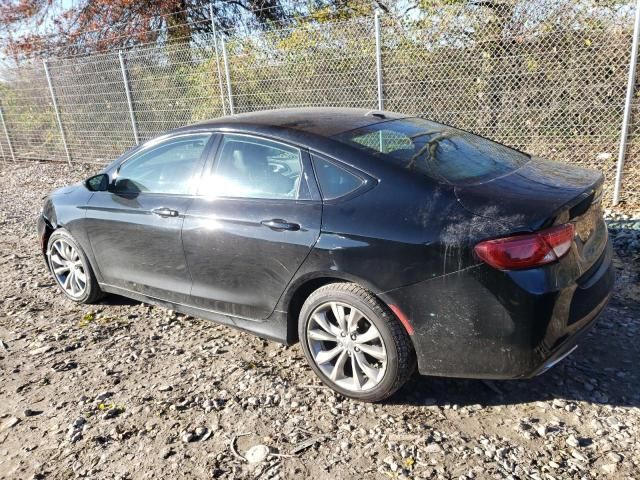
{"x": 126, "y": 390}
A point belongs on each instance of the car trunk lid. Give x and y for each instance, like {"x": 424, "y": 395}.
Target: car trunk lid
{"x": 542, "y": 193}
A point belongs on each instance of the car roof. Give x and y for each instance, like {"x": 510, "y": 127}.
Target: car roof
{"x": 320, "y": 121}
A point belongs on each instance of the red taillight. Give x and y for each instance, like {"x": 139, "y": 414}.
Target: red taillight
{"x": 526, "y": 251}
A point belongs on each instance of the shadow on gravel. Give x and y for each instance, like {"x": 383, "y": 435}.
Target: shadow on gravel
{"x": 605, "y": 369}
{"x": 117, "y": 300}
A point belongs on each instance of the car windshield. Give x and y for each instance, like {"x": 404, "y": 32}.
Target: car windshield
{"x": 443, "y": 153}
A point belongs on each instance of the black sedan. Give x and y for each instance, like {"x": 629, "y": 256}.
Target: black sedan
{"x": 381, "y": 241}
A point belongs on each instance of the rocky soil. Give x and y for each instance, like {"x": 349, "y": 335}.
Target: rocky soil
{"x": 126, "y": 390}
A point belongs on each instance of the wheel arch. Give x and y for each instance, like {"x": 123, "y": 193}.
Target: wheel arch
{"x": 47, "y": 230}
{"x": 396, "y": 350}
{"x": 81, "y": 240}
{"x": 47, "y": 225}
{"x": 300, "y": 290}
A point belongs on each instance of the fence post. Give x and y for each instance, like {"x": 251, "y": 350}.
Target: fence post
{"x": 215, "y": 46}
{"x": 125, "y": 80}
{"x": 6, "y": 133}
{"x": 55, "y": 107}
{"x": 228, "y": 76}
{"x": 624, "y": 132}
{"x": 376, "y": 21}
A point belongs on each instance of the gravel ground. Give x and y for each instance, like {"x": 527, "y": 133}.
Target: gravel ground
{"x": 127, "y": 390}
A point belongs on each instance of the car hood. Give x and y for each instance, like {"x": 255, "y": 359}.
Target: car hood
{"x": 67, "y": 189}
{"x": 531, "y": 196}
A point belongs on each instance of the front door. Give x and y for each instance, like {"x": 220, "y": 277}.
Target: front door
{"x": 135, "y": 228}
{"x": 254, "y": 224}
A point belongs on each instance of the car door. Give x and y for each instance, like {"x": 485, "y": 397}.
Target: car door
{"x": 255, "y": 220}
{"x": 135, "y": 227}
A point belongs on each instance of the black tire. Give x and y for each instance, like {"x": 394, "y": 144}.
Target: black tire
{"x": 400, "y": 355}
{"x": 92, "y": 292}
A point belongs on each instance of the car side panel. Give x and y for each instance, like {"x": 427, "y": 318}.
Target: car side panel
{"x": 238, "y": 265}
{"x": 404, "y": 231}
{"x": 485, "y": 323}
{"x": 398, "y": 233}
{"x": 67, "y": 209}
{"x": 273, "y": 329}
{"x": 136, "y": 249}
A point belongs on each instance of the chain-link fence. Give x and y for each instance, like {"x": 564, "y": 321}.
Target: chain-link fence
{"x": 548, "y": 77}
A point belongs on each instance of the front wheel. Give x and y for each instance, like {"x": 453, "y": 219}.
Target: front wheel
{"x": 354, "y": 343}
{"x": 71, "y": 269}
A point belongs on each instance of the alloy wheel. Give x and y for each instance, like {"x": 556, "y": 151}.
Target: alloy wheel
{"x": 346, "y": 346}
{"x": 68, "y": 268}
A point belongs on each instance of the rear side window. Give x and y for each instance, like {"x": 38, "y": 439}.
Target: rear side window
{"x": 438, "y": 151}
{"x": 334, "y": 180}
{"x": 252, "y": 167}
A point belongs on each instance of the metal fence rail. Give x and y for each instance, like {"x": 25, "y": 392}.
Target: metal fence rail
{"x": 548, "y": 77}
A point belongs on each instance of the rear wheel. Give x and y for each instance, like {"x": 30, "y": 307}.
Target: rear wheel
{"x": 354, "y": 343}
{"x": 71, "y": 269}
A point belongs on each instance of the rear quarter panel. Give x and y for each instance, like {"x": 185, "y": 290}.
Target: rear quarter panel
{"x": 403, "y": 231}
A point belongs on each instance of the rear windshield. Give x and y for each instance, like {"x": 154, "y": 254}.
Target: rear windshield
{"x": 443, "y": 153}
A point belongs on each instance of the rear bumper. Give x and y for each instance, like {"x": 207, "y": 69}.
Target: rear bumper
{"x": 565, "y": 346}
{"x": 483, "y": 323}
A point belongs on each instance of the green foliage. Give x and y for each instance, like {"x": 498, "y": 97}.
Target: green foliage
{"x": 87, "y": 319}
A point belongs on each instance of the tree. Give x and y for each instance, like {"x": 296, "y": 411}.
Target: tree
{"x": 30, "y": 27}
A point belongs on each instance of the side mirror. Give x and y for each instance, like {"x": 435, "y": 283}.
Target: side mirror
{"x": 98, "y": 183}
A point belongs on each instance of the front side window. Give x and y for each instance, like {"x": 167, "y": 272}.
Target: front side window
{"x": 168, "y": 168}
{"x": 250, "y": 167}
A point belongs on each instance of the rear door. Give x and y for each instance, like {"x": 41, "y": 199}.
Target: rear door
{"x": 135, "y": 228}
{"x": 255, "y": 221}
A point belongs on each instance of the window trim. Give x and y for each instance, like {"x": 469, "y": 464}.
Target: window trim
{"x": 158, "y": 142}
{"x": 215, "y": 155}
{"x": 368, "y": 182}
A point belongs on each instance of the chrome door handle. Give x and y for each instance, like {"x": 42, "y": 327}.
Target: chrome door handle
{"x": 279, "y": 224}
{"x": 164, "y": 212}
